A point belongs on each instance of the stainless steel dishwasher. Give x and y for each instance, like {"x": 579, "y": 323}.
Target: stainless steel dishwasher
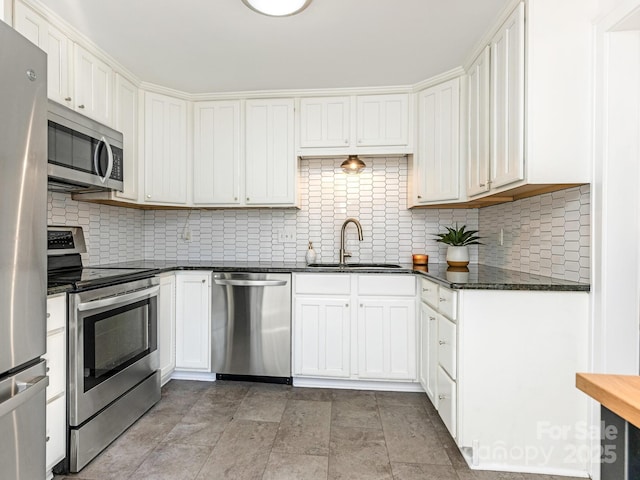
{"x": 251, "y": 326}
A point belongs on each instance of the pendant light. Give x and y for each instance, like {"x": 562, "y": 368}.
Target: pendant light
{"x": 277, "y": 8}
{"x": 352, "y": 165}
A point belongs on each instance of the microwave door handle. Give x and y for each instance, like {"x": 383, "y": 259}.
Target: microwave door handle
{"x": 96, "y": 160}
{"x": 119, "y": 299}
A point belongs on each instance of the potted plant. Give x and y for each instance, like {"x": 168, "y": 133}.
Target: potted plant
{"x": 458, "y": 240}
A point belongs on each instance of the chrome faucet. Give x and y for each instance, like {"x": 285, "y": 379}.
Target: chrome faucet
{"x": 344, "y": 254}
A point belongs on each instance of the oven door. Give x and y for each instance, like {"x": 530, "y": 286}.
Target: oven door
{"x": 113, "y": 344}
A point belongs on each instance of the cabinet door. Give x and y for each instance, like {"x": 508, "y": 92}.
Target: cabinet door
{"x": 165, "y": 152}
{"x": 447, "y": 401}
{"x": 126, "y": 121}
{"x": 447, "y": 346}
{"x": 56, "y": 360}
{"x": 57, "y": 46}
{"x": 387, "y": 339}
{"x": 507, "y": 124}
{"x": 216, "y": 161}
{"x": 56, "y": 428}
{"x": 479, "y": 120}
{"x": 438, "y": 157}
{"x": 382, "y": 120}
{"x": 193, "y": 319}
{"x": 321, "y": 329}
{"x": 167, "y": 326}
{"x": 270, "y": 159}
{"x": 324, "y": 122}
{"x": 93, "y": 86}
{"x": 428, "y": 373}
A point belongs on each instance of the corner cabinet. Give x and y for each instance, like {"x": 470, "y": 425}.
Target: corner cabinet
{"x": 436, "y": 165}
{"x": 126, "y": 121}
{"x": 193, "y": 321}
{"x": 165, "y": 150}
{"x": 270, "y": 161}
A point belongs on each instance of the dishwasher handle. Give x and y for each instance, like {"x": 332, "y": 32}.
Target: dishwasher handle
{"x": 250, "y": 283}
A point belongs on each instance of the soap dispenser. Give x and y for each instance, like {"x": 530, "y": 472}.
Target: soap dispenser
{"x": 310, "y": 257}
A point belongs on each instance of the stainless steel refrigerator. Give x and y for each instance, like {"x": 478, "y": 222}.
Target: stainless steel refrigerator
{"x": 23, "y": 267}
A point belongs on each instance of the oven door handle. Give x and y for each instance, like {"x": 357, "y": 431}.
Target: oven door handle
{"x": 119, "y": 299}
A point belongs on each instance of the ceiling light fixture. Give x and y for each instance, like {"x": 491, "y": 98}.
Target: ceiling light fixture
{"x": 352, "y": 165}
{"x": 277, "y": 8}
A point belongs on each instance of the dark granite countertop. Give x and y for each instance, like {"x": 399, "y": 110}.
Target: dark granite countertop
{"x": 479, "y": 277}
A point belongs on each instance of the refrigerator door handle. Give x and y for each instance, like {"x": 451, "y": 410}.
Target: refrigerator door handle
{"x": 26, "y": 390}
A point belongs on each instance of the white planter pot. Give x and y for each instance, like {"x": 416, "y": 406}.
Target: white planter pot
{"x": 458, "y": 256}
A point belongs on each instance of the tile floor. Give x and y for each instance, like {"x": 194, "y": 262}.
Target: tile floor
{"x": 230, "y": 430}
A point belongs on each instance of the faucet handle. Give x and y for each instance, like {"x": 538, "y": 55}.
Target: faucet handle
{"x": 346, "y": 254}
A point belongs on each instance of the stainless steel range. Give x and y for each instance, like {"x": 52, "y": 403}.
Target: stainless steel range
{"x": 113, "y": 375}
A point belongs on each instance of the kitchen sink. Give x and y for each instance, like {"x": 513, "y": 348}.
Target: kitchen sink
{"x": 355, "y": 265}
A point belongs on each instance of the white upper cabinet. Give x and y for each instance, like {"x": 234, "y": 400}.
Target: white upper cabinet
{"x": 478, "y": 158}
{"x": 93, "y": 86}
{"x": 382, "y": 120}
{"x": 325, "y": 122}
{"x": 216, "y": 156}
{"x": 437, "y": 162}
{"x": 55, "y": 43}
{"x": 126, "y": 121}
{"x": 507, "y": 97}
{"x": 165, "y": 153}
{"x": 270, "y": 161}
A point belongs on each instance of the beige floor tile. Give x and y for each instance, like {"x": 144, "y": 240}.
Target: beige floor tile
{"x": 358, "y": 453}
{"x": 173, "y": 462}
{"x": 356, "y": 413}
{"x": 287, "y": 466}
{"x": 304, "y": 428}
{"x": 242, "y": 452}
{"x": 417, "y": 471}
{"x": 263, "y": 404}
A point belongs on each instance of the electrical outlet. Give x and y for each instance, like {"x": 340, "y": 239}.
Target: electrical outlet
{"x": 186, "y": 234}
{"x": 501, "y": 239}
{"x": 289, "y": 235}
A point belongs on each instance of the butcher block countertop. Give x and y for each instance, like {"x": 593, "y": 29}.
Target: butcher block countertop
{"x": 619, "y": 393}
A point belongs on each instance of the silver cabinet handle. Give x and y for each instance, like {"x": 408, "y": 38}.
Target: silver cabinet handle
{"x": 346, "y": 142}
{"x": 48, "y": 438}
{"x": 26, "y": 391}
{"x": 48, "y": 315}
{"x": 119, "y": 299}
{"x": 203, "y": 280}
{"x": 442, "y": 342}
{"x": 67, "y": 99}
{"x": 248, "y": 199}
{"x": 148, "y": 196}
{"x": 251, "y": 283}
{"x": 235, "y": 199}
{"x": 419, "y": 197}
{"x": 482, "y": 185}
{"x": 442, "y": 397}
{"x": 426, "y": 290}
{"x": 81, "y": 106}
{"x": 346, "y": 305}
{"x": 443, "y": 299}
{"x": 433, "y": 319}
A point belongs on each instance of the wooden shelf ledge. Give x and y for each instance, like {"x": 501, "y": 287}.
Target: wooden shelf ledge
{"x": 619, "y": 393}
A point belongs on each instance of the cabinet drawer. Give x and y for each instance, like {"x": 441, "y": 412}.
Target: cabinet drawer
{"x": 56, "y": 364}
{"x": 56, "y": 312}
{"x": 323, "y": 284}
{"x": 386, "y": 285}
{"x": 447, "y": 401}
{"x": 429, "y": 292}
{"x": 56, "y": 431}
{"x": 447, "y": 345}
{"x": 447, "y": 303}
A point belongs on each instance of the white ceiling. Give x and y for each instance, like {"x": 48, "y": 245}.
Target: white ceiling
{"x": 205, "y": 46}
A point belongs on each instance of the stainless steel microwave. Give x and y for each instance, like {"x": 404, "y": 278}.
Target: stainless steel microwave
{"x": 84, "y": 155}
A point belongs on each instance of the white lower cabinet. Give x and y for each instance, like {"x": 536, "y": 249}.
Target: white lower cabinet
{"x": 447, "y": 401}
{"x": 322, "y": 336}
{"x": 428, "y": 352}
{"x": 193, "y": 321}
{"x": 167, "y": 326}
{"x": 387, "y": 338}
{"x": 376, "y": 340}
{"x": 56, "y": 361}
